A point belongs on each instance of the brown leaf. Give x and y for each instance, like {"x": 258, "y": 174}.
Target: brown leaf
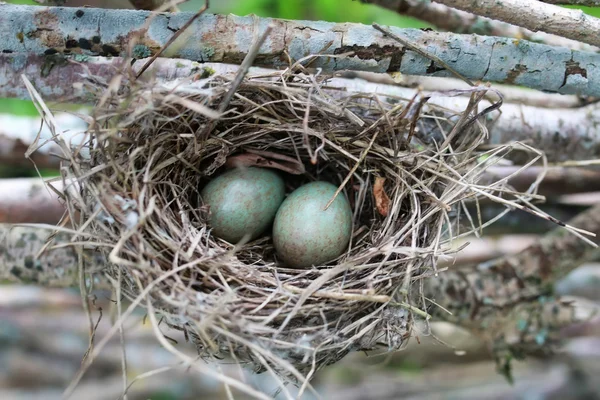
{"x": 266, "y": 159}
{"x": 382, "y": 201}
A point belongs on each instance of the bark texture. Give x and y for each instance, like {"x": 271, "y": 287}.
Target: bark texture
{"x": 563, "y": 134}
{"x": 510, "y": 300}
{"x": 453, "y": 20}
{"x": 535, "y": 16}
{"x": 54, "y": 267}
{"x": 227, "y": 38}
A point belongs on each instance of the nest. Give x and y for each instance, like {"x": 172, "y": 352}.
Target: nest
{"x": 405, "y": 166}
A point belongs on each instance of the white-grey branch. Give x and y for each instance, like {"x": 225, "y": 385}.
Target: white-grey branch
{"x": 535, "y": 16}
{"x": 226, "y": 38}
{"x": 453, "y": 20}
{"x": 563, "y": 134}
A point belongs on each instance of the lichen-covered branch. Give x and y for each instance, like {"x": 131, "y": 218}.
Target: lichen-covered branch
{"x": 513, "y": 279}
{"x": 535, "y": 16}
{"x": 509, "y": 300}
{"x": 226, "y": 38}
{"x": 54, "y": 267}
{"x": 563, "y": 134}
{"x": 453, "y": 20}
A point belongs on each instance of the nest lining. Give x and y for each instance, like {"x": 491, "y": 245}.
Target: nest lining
{"x": 151, "y": 148}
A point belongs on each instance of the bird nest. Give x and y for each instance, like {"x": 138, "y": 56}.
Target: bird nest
{"x": 405, "y": 165}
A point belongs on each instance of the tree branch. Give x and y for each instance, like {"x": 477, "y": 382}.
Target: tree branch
{"x": 27, "y": 200}
{"x": 535, "y": 16}
{"x": 557, "y": 181}
{"x": 563, "y": 134}
{"x": 356, "y": 47}
{"x": 55, "y": 267}
{"x": 510, "y": 299}
{"x": 589, "y": 3}
{"x": 453, "y": 20}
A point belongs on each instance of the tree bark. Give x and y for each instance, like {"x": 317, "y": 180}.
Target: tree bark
{"x": 509, "y": 300}
{"x": 453, "y": 20}
{"x": 535, "y": 16}
{"x": 226, "y": 38}
{"x": 29, "y": 201}
{"x": 562, "y": 134}
{"x": 55, "y": 267}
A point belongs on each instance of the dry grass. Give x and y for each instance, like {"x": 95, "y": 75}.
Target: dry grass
{"x": 150, "y": 148}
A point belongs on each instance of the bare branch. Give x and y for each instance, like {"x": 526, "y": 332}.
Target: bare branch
{"x": 557, "y": 180}
{"x": 12, "y": 152}
{"x": 589, "y": 3}
{"x": 563, "y": 134}
{"x": 513, "y": 293}
{"x": 344, "y": 46}
{"x": 29, "y": 201}
{"x": 535, "y": 16}
{"x": 453, "y": 20}
{"x": 511, "y": 94}
{"x": 55, "y": 267}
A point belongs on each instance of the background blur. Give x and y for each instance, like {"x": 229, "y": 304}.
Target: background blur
{"x": 44, "y": 332}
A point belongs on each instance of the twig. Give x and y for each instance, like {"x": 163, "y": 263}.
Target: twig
{"x": 520, "y": 63}
{"x": 536, "y": 16}
{"x": 173, "y": 38}
{"x": 449, "y": 19}
{"x": 243, "y": 70}
{"x": 28, "y": 201}
{"x": 424, "y": 53}
{"x": 562, "y": 134}
{"x": 589, "y": 3}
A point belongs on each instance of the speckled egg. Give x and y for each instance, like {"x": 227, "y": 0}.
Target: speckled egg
{"x": 243, "y": 201}
{"x": 304, "y": 234}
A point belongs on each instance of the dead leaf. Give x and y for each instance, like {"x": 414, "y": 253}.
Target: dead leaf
{"x": 382, "y": 201}
{"x": 266, "y": 159}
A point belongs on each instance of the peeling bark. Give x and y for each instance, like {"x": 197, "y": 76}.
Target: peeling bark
{"x": 563, "y": 134}
{"x": 453, "y": 20}
{"x": 535, "y": 16}
{"x": 226, "y": 38}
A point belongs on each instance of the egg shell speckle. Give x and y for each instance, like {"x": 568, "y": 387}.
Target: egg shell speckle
{"x": 304, "y": 234}
{"x": 243, "y": 201}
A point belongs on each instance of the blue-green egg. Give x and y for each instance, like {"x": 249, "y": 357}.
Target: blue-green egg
{"x": 243, "y": 201}
{"x": 304, "y": 233}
